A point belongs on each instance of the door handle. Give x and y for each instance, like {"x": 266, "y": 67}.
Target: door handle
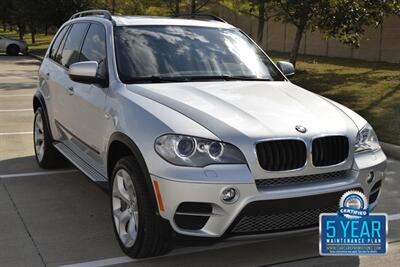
{"x": 70, "y": 90}
{"x": 47, "y": 75}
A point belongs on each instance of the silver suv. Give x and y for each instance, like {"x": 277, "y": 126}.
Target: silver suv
{"x": 194, "y": 130}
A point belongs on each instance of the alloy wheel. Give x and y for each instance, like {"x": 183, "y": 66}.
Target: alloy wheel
{"x": 39, "y": 137}
{"x": 125, "y": 208}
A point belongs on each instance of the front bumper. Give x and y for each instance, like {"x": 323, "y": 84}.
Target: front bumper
{"x": 257, "y": 208}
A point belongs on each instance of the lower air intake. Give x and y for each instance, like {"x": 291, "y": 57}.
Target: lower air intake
{"x": 278, "y": 215}
{"x": 281, "y": 221}
{"x": 305, "y": 179}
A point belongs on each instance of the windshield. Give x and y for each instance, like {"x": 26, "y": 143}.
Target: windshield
{"x": 187, "y": 53}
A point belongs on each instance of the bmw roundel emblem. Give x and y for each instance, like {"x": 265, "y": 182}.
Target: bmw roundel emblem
{"x": 301, "y": 129}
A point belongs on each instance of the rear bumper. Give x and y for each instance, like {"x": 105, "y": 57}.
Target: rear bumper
{"x": 263, "y": 210}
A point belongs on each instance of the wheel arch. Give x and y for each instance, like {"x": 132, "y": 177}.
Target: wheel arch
{"x": 13, "y": 45}
{"x": 121, "y": 145}
{"x": 38, "y": 102}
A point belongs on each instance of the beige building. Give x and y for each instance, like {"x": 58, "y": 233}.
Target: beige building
{"x": 379, "y": 44}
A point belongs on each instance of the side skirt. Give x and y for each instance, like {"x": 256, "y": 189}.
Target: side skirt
{"x": 88, "y": 170}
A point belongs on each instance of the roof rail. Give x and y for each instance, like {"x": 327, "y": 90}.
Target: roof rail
{"x": 200, "y": 15}
{"x": 106, "y": 14}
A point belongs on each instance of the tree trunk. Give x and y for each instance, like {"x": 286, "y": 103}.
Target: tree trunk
{"x": 261, "y": 21}
{"x": 176, "y": 7}
{"x": 296, "y": 45}
{"x": 193, "y": 6}
{"x": 21, "y": 31}
{"x": 33, "y": 33}
{"x": 113, "y": 4}
{"x": 33, "y": 37}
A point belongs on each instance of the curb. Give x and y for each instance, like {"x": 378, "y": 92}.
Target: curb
{"x": 35, "y": 56}
{"x": 390, "y": 150}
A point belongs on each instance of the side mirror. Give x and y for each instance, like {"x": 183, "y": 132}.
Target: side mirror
{"x": 286, "y": 67}
{"x": 86, "y": 72}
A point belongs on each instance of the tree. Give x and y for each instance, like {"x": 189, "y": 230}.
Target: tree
{"x": 125, "y": 7}
{"x": 5, "y": 15}
{"x": 343, "y": 20}
{"x": 259, "y": 7}
{"x": 36, "y": 14}
{"x": 194, "y": 6}
{"x": 346, "y": 20}
{"x": 21, "y": 15}
{"x": 303, "y": 15}
{"x": 176, "y": 7}
{"x": 261, "y": 20}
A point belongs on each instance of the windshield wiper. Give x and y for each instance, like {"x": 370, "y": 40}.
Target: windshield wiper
{"x": 155, "y": 79}
{"x": 163, "y": 79}
{"x": 226, "y": 78}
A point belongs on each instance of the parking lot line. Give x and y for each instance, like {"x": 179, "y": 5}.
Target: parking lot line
{"x": 183, "y": 251}
{"x": 29, "y": 174}
{"x": 15, "y": 133}
{"x": 394, "y": 217}
{"x": 101, "y": 263}
{"x": 16, "y": 110}
{"x": 125, "y": 259}
{"x": 21, "y": 95}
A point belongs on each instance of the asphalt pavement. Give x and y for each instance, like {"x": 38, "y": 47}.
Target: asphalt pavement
{"x": 57, "y": 218}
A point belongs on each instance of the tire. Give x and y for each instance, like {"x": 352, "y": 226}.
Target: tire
{"x": 47, "y": 156}
{"x": 12, "y": 50}
{"x": 139, "y": 230}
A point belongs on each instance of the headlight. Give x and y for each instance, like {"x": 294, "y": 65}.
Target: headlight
{"x": 366, "y": 139}
{"x": 196, "y": 152}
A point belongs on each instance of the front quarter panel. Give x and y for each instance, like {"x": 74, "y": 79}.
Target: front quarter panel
{"x": 143, "y": 120}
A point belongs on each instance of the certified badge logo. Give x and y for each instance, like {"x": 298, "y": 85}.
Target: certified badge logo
{"x": 353, "y": 205}
{"x": 353, "y": 230}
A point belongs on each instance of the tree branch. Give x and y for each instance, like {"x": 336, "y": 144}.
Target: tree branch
{"x": 203, "y": 5}
{"x": 170, "y": 6}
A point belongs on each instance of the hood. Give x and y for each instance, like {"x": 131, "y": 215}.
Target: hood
{"x": 251, "y": 108}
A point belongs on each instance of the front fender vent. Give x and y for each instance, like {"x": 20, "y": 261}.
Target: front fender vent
{"x": 192, "y": 215}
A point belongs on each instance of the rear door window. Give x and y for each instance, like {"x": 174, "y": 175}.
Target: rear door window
{"x": 57, "y": 42}
{"x": 72, "y": 46}
{"x": 57, "y": 56}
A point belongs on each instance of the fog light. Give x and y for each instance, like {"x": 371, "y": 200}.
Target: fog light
{"x": 229, "y": 195}
{"x": 370, "y": 177}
